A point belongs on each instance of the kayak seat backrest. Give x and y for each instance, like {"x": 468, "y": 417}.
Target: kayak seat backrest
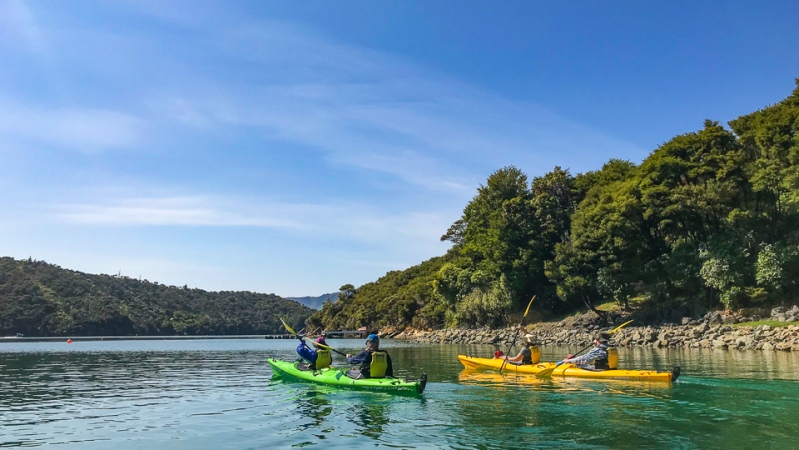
{"x": 535, "y": 354}
{"x": 379, "y": 364}
{"x": 613, "y": 357}
{"x": 323, "y": 359}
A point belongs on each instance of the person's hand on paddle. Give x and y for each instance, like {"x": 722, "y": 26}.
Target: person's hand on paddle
{"x": 349, "y": 356}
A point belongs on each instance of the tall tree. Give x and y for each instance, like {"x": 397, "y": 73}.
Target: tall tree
{"x": 493, "y": 234}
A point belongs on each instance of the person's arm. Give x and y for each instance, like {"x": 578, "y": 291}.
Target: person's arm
{"x": 595, "y": 353}
{"x": 306, "y": 352}
{"x": 516, "y": 358}
{"x": 390, "y": 368}
{"x": 359, "y": 358}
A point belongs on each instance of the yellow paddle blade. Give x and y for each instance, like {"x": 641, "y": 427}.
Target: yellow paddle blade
{"x": 619, "y": 327}
{"x": 546, "y": 372}
{"x": 288, "y": 328}
{"x": 528, "y": 306}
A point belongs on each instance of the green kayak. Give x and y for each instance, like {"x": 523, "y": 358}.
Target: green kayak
{"x": 338, "y": 377}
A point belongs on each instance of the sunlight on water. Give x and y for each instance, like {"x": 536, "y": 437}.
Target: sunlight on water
{"x": 213, "y": 394}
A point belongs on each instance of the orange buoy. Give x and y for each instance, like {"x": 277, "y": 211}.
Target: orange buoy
{"x": 69, "y": 341}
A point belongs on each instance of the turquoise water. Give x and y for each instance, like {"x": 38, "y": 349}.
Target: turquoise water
{"x": 219, "y": 394}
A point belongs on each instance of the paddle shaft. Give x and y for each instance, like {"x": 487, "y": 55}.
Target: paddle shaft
{"x": 331, "y": 349}
{"x": 290, "y": 330}
{"x": 521, "y": 322}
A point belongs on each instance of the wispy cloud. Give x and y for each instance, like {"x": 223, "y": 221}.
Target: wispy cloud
{"x": 344, "y": 220}
{"x": 81, "y": 129}
{"x": 175, "y": 211}
{"x": 360, "y": 108}
{"x": 372, "y": 111}
{"x": 232, "y": 125}
{"x": 17, "y": 22}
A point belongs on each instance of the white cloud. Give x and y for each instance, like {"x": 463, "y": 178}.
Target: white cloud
{"x": 345, "y": 220}
{"x": 276, "y": 101}
{"x": 81, "y": 129}
{"x": 170, "y": 211}
{"x": 17, "y": 21}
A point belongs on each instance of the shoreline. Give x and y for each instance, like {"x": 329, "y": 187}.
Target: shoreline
{"x": 140, "y": 338}
{"x": 763, "y": 337}
{"x": 714, "y": 330}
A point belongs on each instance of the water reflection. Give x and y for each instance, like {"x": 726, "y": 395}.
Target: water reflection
{"x": 326, "y": 407}
{"x": 494, "y": 378}
{"x": 313, "y": 405}
{"x": 748, "y": 364}
{"x": 370, "y": 418}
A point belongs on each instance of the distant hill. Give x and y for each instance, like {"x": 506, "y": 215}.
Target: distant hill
{"x": 315, "y": 302}
{"x": 41, "y": 299}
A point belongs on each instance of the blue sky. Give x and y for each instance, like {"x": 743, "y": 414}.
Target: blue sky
{"x": 293, "y": 147}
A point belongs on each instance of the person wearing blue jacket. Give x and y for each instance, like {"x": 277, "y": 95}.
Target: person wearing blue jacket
{"x": 372, "y": 354}
{"x": 310, "y": 354}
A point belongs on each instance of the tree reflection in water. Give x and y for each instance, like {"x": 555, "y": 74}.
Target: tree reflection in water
{"x": 315, "y": 406}
{"x": 371, "y": 417}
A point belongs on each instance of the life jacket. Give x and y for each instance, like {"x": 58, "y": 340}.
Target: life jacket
{"x": 613, "y": 358}
{"x": 610, "y": 362}
{"x": 379, "y": 364}
{"x": 535, "y": 355}
{"x": 323, "y": 359}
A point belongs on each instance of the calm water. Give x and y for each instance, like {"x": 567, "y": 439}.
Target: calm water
{"x": 219, "y": 394}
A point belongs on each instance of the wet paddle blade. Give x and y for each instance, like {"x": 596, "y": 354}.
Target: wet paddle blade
{"x": 620, "y": 327}
{"x": 288, "y": 328}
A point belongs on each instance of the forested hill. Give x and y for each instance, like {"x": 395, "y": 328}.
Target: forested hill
{"x": 710, "y": 219}
{"x": 41, "y": 299}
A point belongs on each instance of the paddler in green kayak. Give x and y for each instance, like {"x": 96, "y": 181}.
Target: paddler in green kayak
{"x": 374, "y": 363}
{"x": 317, "y": 357}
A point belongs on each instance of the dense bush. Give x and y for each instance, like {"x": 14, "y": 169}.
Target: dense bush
{"x": 41, "y": 299}
{"x": 709, "y": 218}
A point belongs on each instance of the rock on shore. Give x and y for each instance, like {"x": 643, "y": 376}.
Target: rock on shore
{"x": 714, "y": 330}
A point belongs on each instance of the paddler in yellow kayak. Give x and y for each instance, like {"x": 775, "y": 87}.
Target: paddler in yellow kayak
{"x": 600, "y": 355}
{"x": 530, "y": 352}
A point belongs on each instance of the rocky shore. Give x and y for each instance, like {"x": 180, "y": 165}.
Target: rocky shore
{"x": 714, "y": 330}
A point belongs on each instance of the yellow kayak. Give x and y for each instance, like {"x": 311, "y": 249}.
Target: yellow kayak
{"x": 472, "y": 362}
{"x": 570, "y": 370}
